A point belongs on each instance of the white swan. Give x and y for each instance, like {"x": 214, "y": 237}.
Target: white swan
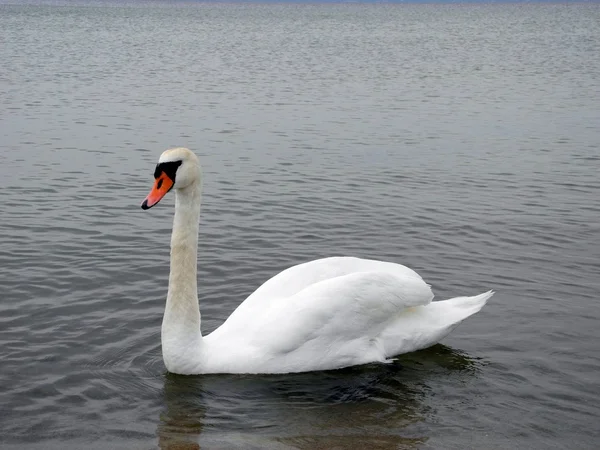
{"x": 324, "y": 314}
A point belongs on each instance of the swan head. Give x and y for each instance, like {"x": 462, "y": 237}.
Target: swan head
{"x": 177, "y": 168}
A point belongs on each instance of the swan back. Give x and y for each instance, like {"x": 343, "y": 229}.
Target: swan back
{"x": 296, "y": 278}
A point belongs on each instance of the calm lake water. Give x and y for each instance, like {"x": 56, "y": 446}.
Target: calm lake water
{"x": 462, "y": 141}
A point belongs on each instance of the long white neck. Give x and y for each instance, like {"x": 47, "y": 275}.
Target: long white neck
{"x": 181, "y": 335}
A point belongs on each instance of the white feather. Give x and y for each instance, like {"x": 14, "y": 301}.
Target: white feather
{"x": 324, "y": 314}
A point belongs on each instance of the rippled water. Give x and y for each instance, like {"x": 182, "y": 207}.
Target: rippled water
{"x": 463, "y": 141}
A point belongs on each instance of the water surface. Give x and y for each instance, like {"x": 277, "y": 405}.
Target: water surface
{"x": 462, "y": 141}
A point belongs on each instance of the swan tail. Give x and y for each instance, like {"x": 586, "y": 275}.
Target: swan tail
{"x": 470, "y": 305}
{"x": 423, "y": 326}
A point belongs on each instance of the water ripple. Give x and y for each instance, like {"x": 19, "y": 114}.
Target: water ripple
{"x": 459, "y": 140}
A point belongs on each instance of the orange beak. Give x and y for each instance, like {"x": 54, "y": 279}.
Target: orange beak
{"x": 162, "y": 185}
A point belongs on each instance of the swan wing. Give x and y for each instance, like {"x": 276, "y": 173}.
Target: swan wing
{"x": 296, "y": 278}
{"x": 329, "y": 324}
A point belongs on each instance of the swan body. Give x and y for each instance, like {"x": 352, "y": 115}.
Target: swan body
{"x": 324, "y": 314}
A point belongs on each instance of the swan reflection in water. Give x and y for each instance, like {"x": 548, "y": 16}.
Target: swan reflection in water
{"x": 376, "y": 406}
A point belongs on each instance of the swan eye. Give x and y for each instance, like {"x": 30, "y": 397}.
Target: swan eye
{"x": 168, "y": 168}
